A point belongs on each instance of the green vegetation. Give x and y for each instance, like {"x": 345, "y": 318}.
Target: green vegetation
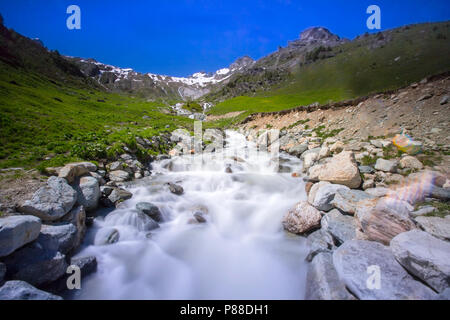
{"x": 300, "y": 122}
{"x": 443, "y": 208}
{"x": 369, "y": 161}
{"x": 41, "y": 118}
{"x": 323, "y": 133}
{"x": 369, "y": 64}
{"x": 193, "y": 107}
{"x": 391, "y": 152}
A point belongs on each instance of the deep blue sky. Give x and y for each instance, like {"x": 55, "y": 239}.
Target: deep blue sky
{"x": 180, "y": 37}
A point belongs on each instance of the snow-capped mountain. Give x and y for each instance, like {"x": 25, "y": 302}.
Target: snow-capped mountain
{"x": 155, "y": 85}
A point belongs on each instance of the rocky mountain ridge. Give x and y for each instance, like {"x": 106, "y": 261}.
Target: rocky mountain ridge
{"x": 185, "y": 88}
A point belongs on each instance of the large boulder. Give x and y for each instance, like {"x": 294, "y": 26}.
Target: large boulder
{"x": 322, "y": 280}
{"x": 36, "y": 264}
{"x": 347, "y": 200}
{"x": 342, "y": 228}
{"x": 341, "y": 169}
{"x": 88, "y": 190}
{"x": 73, "y": 170}
{"x": 52, "y": 201}
{"x": 17, "y": 231}
{"x": 58, "y": 238}
{"x": 20, "y": 290}
{"x": 302, "y": 218}
{"x": 438, "y": 227}
{"x": 77, "y": 217}
{"x": 325, "y": 195}
{"x": 383, "y": 219}
{"x": 357, "y": 263}
{"x": 424, "y": 256}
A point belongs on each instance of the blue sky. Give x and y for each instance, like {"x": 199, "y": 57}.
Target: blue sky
{"x": 180, "y": 37}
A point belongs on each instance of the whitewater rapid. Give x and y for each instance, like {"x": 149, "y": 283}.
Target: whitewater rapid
{"x": 241, "y": 252}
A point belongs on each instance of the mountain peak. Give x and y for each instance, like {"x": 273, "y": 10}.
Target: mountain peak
{"x": 318, "y": 34}
{"x": 242, "y": 62}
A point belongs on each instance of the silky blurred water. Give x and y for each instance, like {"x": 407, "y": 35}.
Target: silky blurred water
{"x": 241, "y": 252}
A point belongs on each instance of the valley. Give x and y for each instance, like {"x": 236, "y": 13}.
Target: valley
{"x": 317, "y": 161}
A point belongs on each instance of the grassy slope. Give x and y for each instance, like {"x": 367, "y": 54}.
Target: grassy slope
{"x": 423, "y": 50}
{"x": 41, "y": 117}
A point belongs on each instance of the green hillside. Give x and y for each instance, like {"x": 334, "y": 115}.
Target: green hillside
{"x": 371, "y": 63}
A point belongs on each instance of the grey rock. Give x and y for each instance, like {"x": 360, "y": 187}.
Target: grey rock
{"x": 444, "y": 100}
{"x": 298, "y": 149}
{"x": 72, "y": 170}
{"x": 445, "y": 295}
{"x": 302, "y": 218}
{"x": 20, "y": 290}
{"x": 176, "y": 189}
{"x": 60, "y": 238}
{"x": 342, "y": 228}
{"x": 366, "y": 169}
{"x": 114, "y": 166}
{"x": 352, "y": 261}
{"x": 119, "y": 195}
{"x": 425, "y": 97}
{"x": 52, "y": 201}
{"x": 423, "y": 211}
{"x": 88, "y": 190}
{"x": 36, "y": 264}
{"x": 119, "y": 176}
{"x": 106, "y": 236}
{"x": 322, "y": 280}
{"x": 347, "y": 200}
{"x": 199, "y": 217}
{"x": 98, "y": 177}
{"x": 310, "y": 151}
{"x": 440, "y": 193}
{"x": 17, "y": 231}
{"x": 438, "y": 227}
{"x": 87, "y": 265}
{"x": 325, "y": 195}
{"x": 377, "y": 192}
{"x": 77, "y": 217}
{"x": 151, "y": 210}
{"x": 126, "y": 157}
{"x": 386, "y": 165}
{"x": 319, "y": 241}
{"x": 424, "y": 256}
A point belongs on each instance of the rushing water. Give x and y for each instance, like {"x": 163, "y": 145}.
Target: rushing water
{"x": 240, "y": 253}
